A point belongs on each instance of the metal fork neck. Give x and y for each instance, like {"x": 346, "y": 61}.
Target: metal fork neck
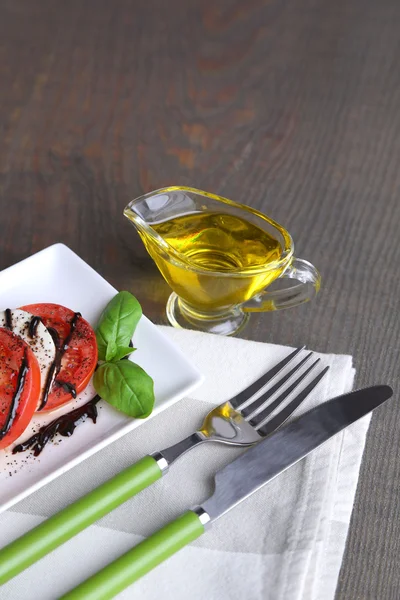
{"x": 166, "y": 457}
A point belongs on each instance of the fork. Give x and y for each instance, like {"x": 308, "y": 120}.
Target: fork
{"x": 242, "y": 421}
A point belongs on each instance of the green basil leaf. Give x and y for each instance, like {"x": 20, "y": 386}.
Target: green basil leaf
{"x": 122, "y": 352}
{"x": 126, "y": 386}
{"x": 111, "y": 350}
{"x": 117, "y": 324}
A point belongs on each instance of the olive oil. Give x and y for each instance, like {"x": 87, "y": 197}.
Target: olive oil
{"x": 224, "y": 259}
{"x": 219, "y": 257}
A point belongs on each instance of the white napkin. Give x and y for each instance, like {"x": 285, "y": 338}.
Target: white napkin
{"x": 286, "y": 542}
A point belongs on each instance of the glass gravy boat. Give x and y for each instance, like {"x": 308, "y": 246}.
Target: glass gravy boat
{"x": 219, "y": 258}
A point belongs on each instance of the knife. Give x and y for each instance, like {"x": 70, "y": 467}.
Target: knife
{"x": 233, "y": 484}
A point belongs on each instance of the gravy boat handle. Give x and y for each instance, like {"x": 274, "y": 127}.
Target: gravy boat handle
{"x": 308, "y": 282}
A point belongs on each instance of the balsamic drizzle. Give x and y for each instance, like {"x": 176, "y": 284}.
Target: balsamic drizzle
{"x": 51, "y": 375}
{"x": 67, "y": 387}
{"x": 24, "y": 368}
{"x": 56, "y": 338}
{"x": 8, "y": 318}
{"x": 56, "y": 366}
{"x": 73, "y": 323}
{"x": 64, "y": 425}
{"x": 33, "y": 325}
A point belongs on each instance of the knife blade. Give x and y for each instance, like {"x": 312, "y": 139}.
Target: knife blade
{"x": 263, "y": 462}
{"x": 233, "y": 484}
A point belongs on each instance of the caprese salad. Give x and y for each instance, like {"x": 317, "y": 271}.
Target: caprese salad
{"x": 48, "y": 354}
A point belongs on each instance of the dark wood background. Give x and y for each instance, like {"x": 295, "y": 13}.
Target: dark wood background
{"x": 290, "y": 107}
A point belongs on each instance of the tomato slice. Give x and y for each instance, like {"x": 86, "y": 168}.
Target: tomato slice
{"x": 19, "y": 386}
{"x": 78, "y": 358}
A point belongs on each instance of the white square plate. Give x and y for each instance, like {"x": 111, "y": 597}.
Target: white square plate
{"x": 58, "y": 275}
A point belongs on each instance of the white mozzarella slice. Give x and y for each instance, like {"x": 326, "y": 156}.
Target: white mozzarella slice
{"x": 41, "y": 343}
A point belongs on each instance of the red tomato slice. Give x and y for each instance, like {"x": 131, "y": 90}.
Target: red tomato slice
{"x": 19, "y": 386}
{"x": 78, "y": 360}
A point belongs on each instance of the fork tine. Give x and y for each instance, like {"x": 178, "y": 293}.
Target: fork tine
{"x": 258, "y": 418}
{"x": 255, "y": 406}
{"x": 240, "y": 399}
{"x": 284, "y": 414}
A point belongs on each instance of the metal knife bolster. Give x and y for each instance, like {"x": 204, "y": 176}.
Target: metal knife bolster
{"x": 267, "y": 459}
{"x": 203, "y": 515}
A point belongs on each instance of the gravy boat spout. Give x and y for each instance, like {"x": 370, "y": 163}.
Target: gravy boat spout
{"x": 161, "y": 206}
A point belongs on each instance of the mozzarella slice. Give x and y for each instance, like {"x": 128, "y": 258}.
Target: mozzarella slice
{"x": 41, "y": 343}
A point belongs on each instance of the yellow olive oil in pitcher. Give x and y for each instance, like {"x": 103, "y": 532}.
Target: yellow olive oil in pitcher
{"x": 222, "y": 259}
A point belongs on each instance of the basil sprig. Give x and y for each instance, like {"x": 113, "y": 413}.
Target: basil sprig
{"x": 116, "y": 326}
{"x": 122, "y": 383}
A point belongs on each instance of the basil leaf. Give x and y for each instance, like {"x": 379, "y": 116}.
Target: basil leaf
{"x": 111, "y": 350}
{"x": 123, "y": 352}
{"x": 126, "y": 386}
{"x": 117, "y": 324}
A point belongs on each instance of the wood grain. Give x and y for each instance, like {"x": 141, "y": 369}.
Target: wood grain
{"x": 291, "y": 107}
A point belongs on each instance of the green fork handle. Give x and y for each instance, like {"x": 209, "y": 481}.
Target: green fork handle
{"x": 135, "y": 563}
{"x": 59, "y": 528}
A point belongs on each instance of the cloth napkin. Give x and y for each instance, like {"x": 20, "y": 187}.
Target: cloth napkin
{"x": 286, "y": 542}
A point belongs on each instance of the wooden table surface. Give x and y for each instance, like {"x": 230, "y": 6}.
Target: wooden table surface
{"x": 290, "y": 107}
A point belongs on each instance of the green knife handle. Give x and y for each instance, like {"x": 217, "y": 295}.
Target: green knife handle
{"x": 62, "y": 526}
{"x": 127, "y": 569}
